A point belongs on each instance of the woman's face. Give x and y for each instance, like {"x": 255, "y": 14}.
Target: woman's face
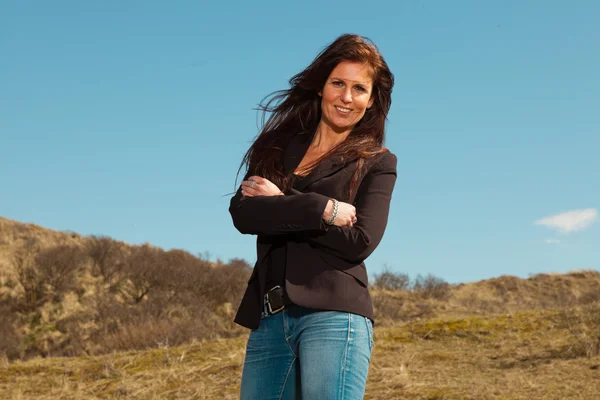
{"x": 346, "y": 95}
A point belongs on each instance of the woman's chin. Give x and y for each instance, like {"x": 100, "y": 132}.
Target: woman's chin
{"x": 340, "y": 126}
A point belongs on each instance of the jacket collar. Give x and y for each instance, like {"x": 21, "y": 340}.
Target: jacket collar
{"x": 296, "y": 150}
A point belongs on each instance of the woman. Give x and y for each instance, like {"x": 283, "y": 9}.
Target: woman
{"x": 317, "y": 195}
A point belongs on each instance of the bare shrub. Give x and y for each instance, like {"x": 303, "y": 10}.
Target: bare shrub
{"x": 389, "y": 280}
{"x": 76, "y": 332}
{"x": 196, "y": 278}
{"x": 145, "y": 296}
{"x": 181, "y": 271}
{"x": 57, "y": 267}
{"x": 431, "y": 287}
{"x": 33, "y": 286}
{"x": 10, "y": 339}
{"x": 239, "y": 263}
{"x": 47, "y": 274}
{"x": 142, "y": 268}
{"x": 387, "y": 308}
{"x": 391, "y": 307}
{"x": 146, "y": 333}
{"x": 396, "y": 298}
{"x": 27, "y": 275}
{"x": 184, "y": 298}
{"x": 229, "y": 283}
{"x": 144, "y": 325}
{"x": 107, "y": 257}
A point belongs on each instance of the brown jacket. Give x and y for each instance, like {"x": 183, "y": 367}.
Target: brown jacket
{"x": 325, "y": 264}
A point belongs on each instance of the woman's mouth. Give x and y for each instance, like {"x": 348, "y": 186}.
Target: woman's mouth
{"x": 343, "y": 110}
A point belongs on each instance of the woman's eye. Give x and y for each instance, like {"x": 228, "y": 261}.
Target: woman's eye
{"x": 337, "y": 83}
{"x": 360, "y": 88}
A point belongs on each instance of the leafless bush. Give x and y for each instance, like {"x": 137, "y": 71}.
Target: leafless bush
{"x": 182, "y": 272}
{"x": 107, "y": 257}
{"x": 229, "y": 282}
{"x": 400, "y": 306}
{"x": 57, "y": 267}
{"x": 76, "y": 332}
{"x": 26, "y": 273}
{"x": 183, "y": 300}
{"x": 431, "y": 287}
{"x": 10, "y": 339}
{"x": 387, "y": 308}
{"x": 142, "y": 267}
{"x": 146, "y": 295}
{"x": 146, "y": 333}
{"x": 391, "y": 280}
{"x": 145, "y": 324}
{"x": 48, "y": 273}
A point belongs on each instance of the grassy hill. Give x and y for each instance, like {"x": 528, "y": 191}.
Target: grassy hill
{"x": 525, "y": 355}
{"x": 62, "y": 294}
{"x": 138, "y": 322}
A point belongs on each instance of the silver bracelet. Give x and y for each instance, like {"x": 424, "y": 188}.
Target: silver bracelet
{"x": 331, "y": 220}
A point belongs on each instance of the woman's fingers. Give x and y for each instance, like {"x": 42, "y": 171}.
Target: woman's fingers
{"x": 248, "y": 189}
{"x": 258, "y": 186}
{"x": 257, "y": 179}
{"x": 252, "y": 187}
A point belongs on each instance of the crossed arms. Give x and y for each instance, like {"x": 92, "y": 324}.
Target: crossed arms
{"x": 301, "y": 215}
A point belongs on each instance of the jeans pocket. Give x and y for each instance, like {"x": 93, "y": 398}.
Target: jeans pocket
{"x": 370, "y": 333}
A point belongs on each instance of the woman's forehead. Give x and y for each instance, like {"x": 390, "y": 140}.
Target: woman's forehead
{"x": 356, "y": 72}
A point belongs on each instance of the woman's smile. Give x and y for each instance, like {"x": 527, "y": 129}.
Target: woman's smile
{"x": 343, "y": 110}
{"x": 346, "y": 95}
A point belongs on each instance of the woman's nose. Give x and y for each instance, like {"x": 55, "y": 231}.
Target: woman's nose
{"x": 346, "y": 96}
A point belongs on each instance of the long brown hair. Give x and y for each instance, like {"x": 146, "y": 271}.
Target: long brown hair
{"x": 298, "y": 109}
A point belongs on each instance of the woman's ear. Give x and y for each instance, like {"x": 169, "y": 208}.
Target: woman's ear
{"x": 320, "y": 93}
{"x": 370, "y": 104}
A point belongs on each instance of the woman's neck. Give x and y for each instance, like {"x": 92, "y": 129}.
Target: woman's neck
{"x": 326, "y": 138}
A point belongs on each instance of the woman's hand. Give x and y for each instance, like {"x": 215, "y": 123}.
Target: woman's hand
{"x": 346, "y": 215}
{"x": 257, "y": 186}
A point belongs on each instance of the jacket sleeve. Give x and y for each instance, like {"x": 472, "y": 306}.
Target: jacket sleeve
{"x": 354, "y": 244}
{"x": 276, "y": 215}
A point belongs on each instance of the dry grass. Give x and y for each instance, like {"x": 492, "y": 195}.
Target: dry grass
{"x": 528, "y": 355}
{"x": 521, "y": 356}
{"x": 196, "y": 371}
{"x": 503, "y": 338}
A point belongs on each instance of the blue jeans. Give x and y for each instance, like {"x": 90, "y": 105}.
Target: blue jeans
{"x": 300, "y": 353}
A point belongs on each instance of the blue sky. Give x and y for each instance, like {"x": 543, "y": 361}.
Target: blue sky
{"x": 129, "y": 119}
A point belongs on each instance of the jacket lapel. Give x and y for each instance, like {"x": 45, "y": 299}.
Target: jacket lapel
{"x": 295, "y": 152}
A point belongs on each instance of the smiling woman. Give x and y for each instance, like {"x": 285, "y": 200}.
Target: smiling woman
{"x": 346, "y": 95}
{"x": 317, "y": 195}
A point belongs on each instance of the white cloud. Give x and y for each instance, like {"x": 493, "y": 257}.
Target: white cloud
{"x": 570, "y": 221}
{"x": 552, "y": 241}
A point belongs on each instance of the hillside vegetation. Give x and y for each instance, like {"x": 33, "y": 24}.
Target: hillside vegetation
{"x": 67, "y": 295}
{"x": 140, "y": 322}
{"x": 525, "y": 355}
